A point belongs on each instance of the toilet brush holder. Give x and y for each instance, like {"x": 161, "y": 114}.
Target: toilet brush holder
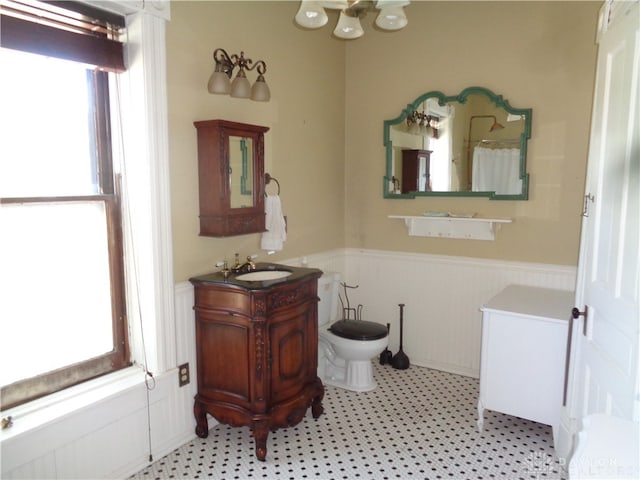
{"x": 400, "y": 359}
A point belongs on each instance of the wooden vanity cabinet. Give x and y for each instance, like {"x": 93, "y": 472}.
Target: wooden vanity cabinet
{"x": 257, "y": 354}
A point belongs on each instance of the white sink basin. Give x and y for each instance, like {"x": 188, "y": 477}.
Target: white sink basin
{"x": 263, "y": 275}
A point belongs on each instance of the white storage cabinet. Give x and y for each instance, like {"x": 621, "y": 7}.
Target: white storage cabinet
{"x": 524, "y": 340}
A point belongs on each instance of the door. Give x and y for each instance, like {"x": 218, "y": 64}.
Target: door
{"x": 223, "y": 346}
{"x": 605, "y": 352}
{"x": 293, "y": 350}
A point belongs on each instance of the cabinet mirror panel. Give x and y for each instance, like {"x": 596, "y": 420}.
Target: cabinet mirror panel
{"x": 470, "y": 144}
{"x": 240, "y": 172}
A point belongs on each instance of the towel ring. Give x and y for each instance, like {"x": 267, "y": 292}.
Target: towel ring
{"x": 267, "y": 181}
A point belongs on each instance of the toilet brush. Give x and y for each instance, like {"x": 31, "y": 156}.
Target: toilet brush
{"x": 400, "y": 360}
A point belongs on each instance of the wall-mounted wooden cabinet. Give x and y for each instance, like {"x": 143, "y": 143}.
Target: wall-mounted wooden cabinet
{"x": 416, "y": 171}
{"x": 231, "y": 178}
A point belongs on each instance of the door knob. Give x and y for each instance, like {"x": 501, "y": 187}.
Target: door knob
{"x": 575, "y": 313}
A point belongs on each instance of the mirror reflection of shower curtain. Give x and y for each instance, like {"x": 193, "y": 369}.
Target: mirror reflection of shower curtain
{"x": 496, "y": 170}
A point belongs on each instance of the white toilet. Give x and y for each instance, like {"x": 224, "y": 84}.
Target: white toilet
{"x": 345, "y": 352}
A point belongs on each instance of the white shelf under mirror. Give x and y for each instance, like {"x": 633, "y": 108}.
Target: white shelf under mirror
{"x": 471, "y": 228}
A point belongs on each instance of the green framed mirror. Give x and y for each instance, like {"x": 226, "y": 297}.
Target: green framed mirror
{"x": 473, "y": 144}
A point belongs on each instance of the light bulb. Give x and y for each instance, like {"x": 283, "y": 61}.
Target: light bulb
{"x": 311, "y": 15}
{"x": 348, "y": 27}
{"x": 240, "y": 87}
{"x": 260, "y": 91}
{"x": 219, "y": 83}
{"x": 392, "y": 18}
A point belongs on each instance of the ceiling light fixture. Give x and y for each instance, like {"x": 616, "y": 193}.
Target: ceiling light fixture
{"x": 220, "y": 80}
{"x": 391, "y": 16}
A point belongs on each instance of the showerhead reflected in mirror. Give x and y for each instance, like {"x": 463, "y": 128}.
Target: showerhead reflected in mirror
{"x": 471, "y": 144}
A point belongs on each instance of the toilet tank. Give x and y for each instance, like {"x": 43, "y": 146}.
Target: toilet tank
{"x": 328, "y": 285}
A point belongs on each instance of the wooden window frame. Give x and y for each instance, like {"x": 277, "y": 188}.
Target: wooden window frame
{"x": 29, "y": 389}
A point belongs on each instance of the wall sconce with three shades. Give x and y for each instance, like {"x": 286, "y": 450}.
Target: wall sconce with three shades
{"x": 220, "y": 80}
{"x": 422, "y": 124}
{"x": 391, "y": 15}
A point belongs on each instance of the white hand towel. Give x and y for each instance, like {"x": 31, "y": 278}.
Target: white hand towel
{"x": 276, "y": 233}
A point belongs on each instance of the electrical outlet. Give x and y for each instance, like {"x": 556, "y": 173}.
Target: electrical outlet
{"x": 183, "y": 375}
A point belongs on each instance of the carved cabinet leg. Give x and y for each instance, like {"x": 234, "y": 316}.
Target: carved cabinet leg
{"x": 260, "y": 434}
{"x": 316, "y": 403}
{"x": 200, "y": 412}
{"x": 316, "y": 407}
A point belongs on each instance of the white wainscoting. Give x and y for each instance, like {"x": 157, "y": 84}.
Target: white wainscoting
{"x": 109, "y": 437}
{"x": 104, "y": 431}
{"x": 442, "y": 297}
{"x": 106, "y": 438}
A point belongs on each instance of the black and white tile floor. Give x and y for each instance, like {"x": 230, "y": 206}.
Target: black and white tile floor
{"x": 419, "y": 423}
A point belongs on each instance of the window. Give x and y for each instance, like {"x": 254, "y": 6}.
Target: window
{"x": 441, "y": 146}
{"x": 63, "y": 315}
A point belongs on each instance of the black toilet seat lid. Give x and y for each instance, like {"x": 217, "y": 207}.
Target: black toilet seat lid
{"x": 358, "y": 330}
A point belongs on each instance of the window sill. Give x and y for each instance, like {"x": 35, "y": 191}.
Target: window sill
{"x": 55, "y": 407}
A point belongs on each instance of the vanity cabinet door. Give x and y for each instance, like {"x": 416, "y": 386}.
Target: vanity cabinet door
{"x": 224, "y": 354}
{"x": 293, "y": 346}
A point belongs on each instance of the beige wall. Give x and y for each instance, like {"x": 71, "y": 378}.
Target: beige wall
{"x": 538, "y": 55}
{"x": 304, "y": 149}
{"x": 329, "y": 99}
